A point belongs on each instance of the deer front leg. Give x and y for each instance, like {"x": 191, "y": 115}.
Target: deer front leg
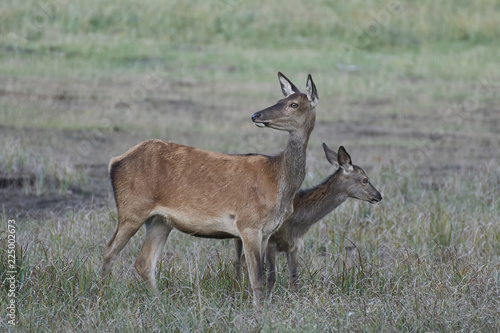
{"x": 252, "y": 242}
{"x": 271, "y": 267}
{"x": 238, "y": 245}
{"x": 292, "y": 259}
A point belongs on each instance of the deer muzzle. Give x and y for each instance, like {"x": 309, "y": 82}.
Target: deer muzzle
{"x": 256, "y": 118}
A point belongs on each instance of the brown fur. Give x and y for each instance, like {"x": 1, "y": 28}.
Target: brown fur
{"x": 310, "y": 206}
{"x": 165, "y": 185}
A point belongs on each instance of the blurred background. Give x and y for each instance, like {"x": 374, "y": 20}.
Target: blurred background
{"x": 404, "y": 83}
{"x": 392, "y": 75}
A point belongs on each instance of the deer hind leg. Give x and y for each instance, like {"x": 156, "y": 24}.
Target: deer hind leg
{"x": 157, "y": 231}
{"x": 127, "y": 227}
{"x": 252, "y": 241}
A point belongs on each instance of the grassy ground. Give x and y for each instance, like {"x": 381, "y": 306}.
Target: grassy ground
{"x": 411, "y": 90}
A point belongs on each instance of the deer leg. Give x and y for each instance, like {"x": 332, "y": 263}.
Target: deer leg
{"x": 238, "y": 245}
{"x": 157, "y": 231}
{"x": 293, "y": 261}
{"x": 271, "y": 267}
{"x": 252, "y": 241}
{"x": 125, "y": 230}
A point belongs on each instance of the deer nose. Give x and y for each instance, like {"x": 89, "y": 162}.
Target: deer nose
{"x": 255, "y": 116}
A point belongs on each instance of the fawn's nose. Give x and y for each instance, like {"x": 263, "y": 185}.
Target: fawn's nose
{"x": 255, "y": 116}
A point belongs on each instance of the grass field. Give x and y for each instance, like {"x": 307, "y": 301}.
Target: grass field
{"x": 411, "y": 89}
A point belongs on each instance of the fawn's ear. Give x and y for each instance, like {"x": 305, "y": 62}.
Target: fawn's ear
{"x": 287, "y": 87}
{"x": 344, "y": 160}
{"x": 331, "y": 156}
{"x": 312, "y": 92}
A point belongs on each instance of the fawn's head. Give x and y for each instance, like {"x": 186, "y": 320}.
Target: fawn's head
{"x": 296, "y": 112}
{"x": 352, "y": 178}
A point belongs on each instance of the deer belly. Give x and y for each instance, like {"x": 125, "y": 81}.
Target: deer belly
{"x": 200, "y": 225}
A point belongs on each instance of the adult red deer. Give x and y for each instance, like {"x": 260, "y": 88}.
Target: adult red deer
{"x": 310, "y": 206}
{"x": 165, "y": 185}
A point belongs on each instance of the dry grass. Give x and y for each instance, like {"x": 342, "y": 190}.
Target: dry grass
{"x": 415, "y": 262}
{"x": 420, "y": 115}
{"x": 34, "y": 171}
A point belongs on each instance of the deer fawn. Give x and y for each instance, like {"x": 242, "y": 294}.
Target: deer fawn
{"x": 165, "y": 185}
{"x": 310, "y": 206}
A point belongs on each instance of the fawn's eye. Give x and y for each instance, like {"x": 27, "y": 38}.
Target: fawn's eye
{"x": 294, "y": 105}
{"x": 365, "y": 181}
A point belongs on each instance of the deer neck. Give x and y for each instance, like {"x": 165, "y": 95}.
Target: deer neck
{"x": 294, "y": 164}
{"x": 313, "y": 204}
{"x": 291, "y": 166}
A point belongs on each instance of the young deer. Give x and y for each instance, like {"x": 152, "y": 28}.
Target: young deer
{"x": 165, "y": 185}
{"x": 310, "y": 206}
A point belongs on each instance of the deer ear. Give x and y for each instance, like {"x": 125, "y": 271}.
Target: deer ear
{"x": 344, "y": 160}
{"x": 331, "y": 156}
{"x": 312, "y": 93}
{"x": 287, "y": 87}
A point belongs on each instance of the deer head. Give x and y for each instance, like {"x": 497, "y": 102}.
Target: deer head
{"x": 296, "y": 112}
{"x": 354, "y": 180}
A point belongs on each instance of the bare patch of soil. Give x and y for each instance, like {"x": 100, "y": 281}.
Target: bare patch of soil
{"x": 214, "y": 115}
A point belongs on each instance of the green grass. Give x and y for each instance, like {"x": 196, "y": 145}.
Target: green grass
{"x": 191, "y": 22}
{"x": 426, "y": 258}
{"x": 237, "y": 40}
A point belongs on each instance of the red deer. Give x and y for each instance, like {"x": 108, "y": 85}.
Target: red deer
{"x": 165, "y": 185}
{"x": 310, "y": 206}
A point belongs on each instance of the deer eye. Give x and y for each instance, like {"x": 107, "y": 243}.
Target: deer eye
{"x": 294, "y": 105}
{"x": 365, "y": 181}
